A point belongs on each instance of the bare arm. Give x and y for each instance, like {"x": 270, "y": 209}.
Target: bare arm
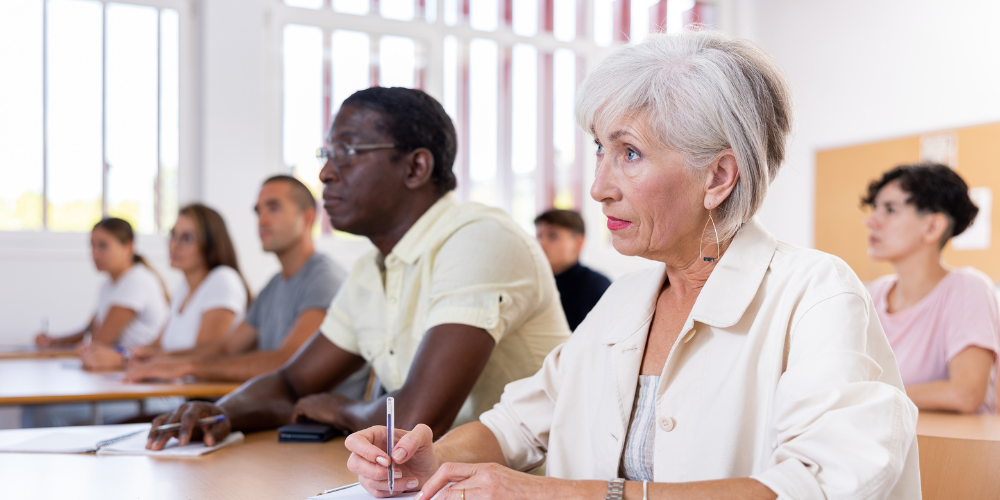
{"x": 235, "y": 367}
{"x": 45, "y": 340}
{"x": 968, "y": 380}
{"x": 445, "y": 368}
{"x": 241, "y": 339}
{"x": 114, "y": 324}
{"x": 215, "y": 324}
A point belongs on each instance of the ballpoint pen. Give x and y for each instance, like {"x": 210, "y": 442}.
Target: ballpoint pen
{"x": 207, "y": 420}
{"x": 390, "y": 420}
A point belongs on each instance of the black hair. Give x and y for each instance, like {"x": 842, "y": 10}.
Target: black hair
{"x": 563, "y": 218}
{"x": 933, "y": 188}
{"x": 414, "y": 120}
{"x": 301, "y": 195}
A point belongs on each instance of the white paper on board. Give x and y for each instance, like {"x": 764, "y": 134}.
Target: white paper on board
{"x": 980, "y": 234}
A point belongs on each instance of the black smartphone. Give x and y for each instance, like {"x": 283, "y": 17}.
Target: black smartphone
{"x": 307, "y": 432}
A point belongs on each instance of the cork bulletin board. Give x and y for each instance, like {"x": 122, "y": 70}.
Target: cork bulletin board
{"x": 843, "y": 174}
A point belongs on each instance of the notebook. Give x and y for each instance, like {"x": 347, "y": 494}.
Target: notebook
{"x": 104, "y": 439}
{"x": 356, "y": 492}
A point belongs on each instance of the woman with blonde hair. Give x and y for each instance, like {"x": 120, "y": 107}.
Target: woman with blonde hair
{"x": 210, "y": 301}
{"x": 739, "y": 367}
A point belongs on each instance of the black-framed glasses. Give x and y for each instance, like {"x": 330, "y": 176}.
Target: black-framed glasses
{"x": 341, "y": 152}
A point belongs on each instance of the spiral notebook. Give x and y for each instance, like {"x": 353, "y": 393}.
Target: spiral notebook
{"x": 127, "y": 439}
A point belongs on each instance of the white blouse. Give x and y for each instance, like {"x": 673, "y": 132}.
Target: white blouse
{"x": 781, "y": 373}
{"x": 139, "y": 290}
{"x": 222, "y": 288}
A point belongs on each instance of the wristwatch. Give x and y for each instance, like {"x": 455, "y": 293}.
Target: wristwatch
{"x": 616, "y": 489}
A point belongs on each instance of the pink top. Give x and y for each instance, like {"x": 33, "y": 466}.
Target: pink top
{"x": 960, "y": 312}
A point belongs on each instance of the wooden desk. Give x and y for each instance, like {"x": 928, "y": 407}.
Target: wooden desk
{"x": 41, "y": 381}
{"x": 959, "y": 456}
{"x": 35, "y": 352}
{"x": 260, "y": 467}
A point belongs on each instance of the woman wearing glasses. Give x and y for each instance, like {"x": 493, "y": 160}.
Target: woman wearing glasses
{"x": 211, "y": 300}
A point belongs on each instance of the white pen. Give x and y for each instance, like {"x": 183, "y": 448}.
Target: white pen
{"x": 390, "y": 421}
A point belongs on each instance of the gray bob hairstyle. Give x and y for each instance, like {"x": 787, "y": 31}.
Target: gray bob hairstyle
{"x": 702, "y": 92}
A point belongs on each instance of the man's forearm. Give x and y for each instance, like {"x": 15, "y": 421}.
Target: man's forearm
{"x": 266, "y": 402}
{"x": 238, "y": 368}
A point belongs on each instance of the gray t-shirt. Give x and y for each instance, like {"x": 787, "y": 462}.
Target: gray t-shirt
{"x": 282, "y": 301}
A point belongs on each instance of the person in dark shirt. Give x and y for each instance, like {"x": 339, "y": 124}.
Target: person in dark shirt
{"x": 561, "y": 234}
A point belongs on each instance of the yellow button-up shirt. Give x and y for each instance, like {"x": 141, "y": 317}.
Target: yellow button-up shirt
{"x": 781, "y": 373}
{"x": 459, "y": 264}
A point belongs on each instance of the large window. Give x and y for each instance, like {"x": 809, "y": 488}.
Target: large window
{"x": 90, "y": 125}
{"x": 506, "y": 71}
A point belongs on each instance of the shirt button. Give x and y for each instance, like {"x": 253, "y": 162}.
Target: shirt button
{"x": 392, "y": 300}
{"x": 667, "y": 424}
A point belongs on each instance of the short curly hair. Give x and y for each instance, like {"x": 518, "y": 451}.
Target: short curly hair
{"x": 414, "y": 120}
{"x": 933, "y": 188}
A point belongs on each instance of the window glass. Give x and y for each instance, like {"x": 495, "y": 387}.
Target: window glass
{"x": 431, "y": 11}
{"x": 675, "y": 14}
{"x": 524, "y": 133}
{"x": 170, "y": 64}
{"x": 484, "y": 15}
{"x": 359, "y": 7}
{"x": 401, "y": 10}
{"x": 131, "y": 108}
{"x": 450, "y": 84}
{"x": 604, "y": 22}
{"x": 564, "y": 126}
{"x": 451, "y": 12}
{"x": 483, "y": 83}
{"x": 397, "y": 61}
{"x": 21, "y": 120}
{"x": 525, "y": 18}
{"x": 74, "y": 70}
{"x": 564, "y": 20}
{"x": 308, "y": 4}
{"x": 303, "y": 101}
{"x": 351, "y": 56}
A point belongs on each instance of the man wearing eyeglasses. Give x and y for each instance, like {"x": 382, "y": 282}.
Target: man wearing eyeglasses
{"x": 454, "y": 301}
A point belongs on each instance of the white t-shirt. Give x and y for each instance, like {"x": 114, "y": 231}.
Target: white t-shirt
{"x": 137, "y": 289}
{"x": 221, "y": 289}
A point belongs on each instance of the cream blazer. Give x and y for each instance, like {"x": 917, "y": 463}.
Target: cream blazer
{"x": 781, "y": 373}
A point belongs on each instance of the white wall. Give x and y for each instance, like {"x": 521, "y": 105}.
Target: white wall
{"x": 867, "y": 70}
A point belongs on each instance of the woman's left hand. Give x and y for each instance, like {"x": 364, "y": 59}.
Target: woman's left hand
{"x": 99, "y": 357}
{"x": 496, "y": 482}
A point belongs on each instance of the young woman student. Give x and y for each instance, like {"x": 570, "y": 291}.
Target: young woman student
{"x": 212, "y": 298}
{"x": 132, "y": 304}
{"x": 942, "y": 323}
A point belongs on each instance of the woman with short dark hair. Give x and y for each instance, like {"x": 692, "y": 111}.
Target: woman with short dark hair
{"x": 942, "y": 323}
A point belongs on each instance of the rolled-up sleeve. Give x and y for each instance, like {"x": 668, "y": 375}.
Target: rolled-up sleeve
{"x": 521, "y": 421}
{"x": 495, "y": 291}
{"x": 840, "y": 431}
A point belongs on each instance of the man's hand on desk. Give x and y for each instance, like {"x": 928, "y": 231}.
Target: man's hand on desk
{"x": 188, "y": 414}
{"x": 320, "y": 407}
{"x": 161, "y": 369}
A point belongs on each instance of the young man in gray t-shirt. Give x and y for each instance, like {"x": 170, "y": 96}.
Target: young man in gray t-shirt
{"x": 288, "y": 310}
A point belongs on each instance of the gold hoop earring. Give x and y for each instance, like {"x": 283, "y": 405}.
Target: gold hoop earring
{"x": 718, "y": 247}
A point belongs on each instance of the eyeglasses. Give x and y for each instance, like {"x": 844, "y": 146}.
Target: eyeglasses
{"x": 342, "y": 152}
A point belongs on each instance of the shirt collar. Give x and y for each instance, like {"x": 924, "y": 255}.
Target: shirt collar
{"x": 726, "y": 296}
{"x": 417, "y": 239}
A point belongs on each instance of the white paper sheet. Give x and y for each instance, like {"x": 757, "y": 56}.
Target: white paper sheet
{"x": 81, "y": 439}
{"x": 359, "y": 493}
{"x": 137, "y": 446}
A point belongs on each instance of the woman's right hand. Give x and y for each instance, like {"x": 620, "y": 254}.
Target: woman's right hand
{"x": 413, "y": 456}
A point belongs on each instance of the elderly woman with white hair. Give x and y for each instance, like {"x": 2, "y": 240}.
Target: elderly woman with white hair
{"x": 740, "y": 367}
